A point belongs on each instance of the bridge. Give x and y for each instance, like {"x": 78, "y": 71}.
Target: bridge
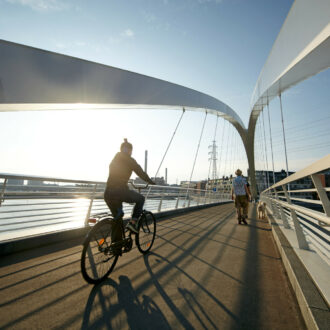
{"x": 205, "y": 271}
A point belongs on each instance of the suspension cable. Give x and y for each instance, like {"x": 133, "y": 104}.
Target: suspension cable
{"x": 221, "y": 150}
{"x": 226, "y": 150}
{"x": 271, "y": 141}
{"x": 237, "y": 152}
{"x": 177, "y": 125}
{"x": 262, "y": 154}
{"x": 231, "y": 157}
{"x": 263, "y": 124}
{"x": 215, "y": 134}
{"x": 286, "y": 156}
{"x": 199, "y": 142}
{"x": 262, "y": 182}
{"x": 220, "y": 156}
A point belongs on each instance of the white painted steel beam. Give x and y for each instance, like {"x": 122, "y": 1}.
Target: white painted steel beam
{"x": 34, "y": 79}
{"x": 301, "y": 50}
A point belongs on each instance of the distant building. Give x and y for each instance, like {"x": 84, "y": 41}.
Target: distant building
{"x": 15, "y": 182}
{"x": 138, "y": 180}
{"x": 186, "y": 184}
{"x": 35, "y": 183}
{"x": 262, "y": 178}
{"x": 325, "y": 179}
{"x": 222, "y": 185}
{"x": 160, "y": 181}
{"x": 201, "y": 184}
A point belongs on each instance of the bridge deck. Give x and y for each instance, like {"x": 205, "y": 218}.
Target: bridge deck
{"x": 204, "y": 272}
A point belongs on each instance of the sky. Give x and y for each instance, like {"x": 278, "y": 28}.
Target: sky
{"x": 214, "y": 46}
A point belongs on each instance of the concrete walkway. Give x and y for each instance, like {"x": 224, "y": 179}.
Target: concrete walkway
{"x": 204, "y": 272}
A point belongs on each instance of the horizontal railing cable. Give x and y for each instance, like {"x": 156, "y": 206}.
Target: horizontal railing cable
{"x": 27, "y": 209}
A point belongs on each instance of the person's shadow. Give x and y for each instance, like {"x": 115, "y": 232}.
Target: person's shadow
{"x": 116, "y": 305}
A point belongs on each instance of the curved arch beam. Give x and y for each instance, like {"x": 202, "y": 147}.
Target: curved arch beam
{"x": 34, "y": 79}
{"x": 301, "y": 50}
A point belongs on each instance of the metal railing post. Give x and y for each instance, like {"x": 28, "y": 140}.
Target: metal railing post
{"x": 161, "y": 202}
{"x": 90, "y": 206}
{"x": 282, "y": 214}
{"x": 322, "y": 195}
{"x": 188, "y": 199}
{"x": 302, "y": 243}
{"x": 274, "y": 205}
{"x": 177, "y": 200}
{"x": 3, "y": 191}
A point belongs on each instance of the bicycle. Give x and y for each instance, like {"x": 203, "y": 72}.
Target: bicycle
{"x": 100, "y": 255}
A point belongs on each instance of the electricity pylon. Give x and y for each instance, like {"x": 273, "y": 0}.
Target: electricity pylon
{"x": 213, "y": 159}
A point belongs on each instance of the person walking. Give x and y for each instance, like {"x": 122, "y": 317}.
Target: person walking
{"x": 242, "y": 195}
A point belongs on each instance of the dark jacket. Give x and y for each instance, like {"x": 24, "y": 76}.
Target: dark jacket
{"x": 120, "y": 170}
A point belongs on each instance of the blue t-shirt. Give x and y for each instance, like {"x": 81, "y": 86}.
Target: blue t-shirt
{"x": 238, "y": 186}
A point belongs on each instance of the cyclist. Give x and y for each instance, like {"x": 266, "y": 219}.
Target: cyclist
{"x": 117, "y": 192}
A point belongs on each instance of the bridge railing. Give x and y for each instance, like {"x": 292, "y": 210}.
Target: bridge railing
{"x": 304, "y": 212}
{"x": 31, "y": 205}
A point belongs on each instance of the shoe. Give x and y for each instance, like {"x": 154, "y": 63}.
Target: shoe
{"x": 132, "y": 227}
{"x": 244, "y": 221}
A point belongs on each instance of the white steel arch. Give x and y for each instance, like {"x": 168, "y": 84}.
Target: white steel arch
{"x": 34, "y": 79}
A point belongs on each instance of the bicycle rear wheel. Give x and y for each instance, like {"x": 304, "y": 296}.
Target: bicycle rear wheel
{"x": 145, "y": 238}
{"x": 97, "y": 259}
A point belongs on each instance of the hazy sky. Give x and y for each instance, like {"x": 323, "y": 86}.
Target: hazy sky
{"x": 215, "y": 46}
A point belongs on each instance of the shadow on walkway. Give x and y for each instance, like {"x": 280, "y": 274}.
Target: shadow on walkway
{"x": 248, "y": 306}
{"x": 115, "y": 298}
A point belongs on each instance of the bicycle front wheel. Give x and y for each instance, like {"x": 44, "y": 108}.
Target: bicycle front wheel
{"x": 145, "y": 238}
{"x": 97, "y": 259}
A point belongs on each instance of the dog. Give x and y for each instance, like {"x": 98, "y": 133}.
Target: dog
{"x": 261, "y": 210}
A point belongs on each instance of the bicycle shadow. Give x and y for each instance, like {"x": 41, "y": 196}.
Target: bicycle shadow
{"x": 117, "y": 305}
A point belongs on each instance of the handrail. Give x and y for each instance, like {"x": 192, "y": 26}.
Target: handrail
{"x": 42, "y": 206}
{"x": 305, "y": 211}
{"x": 318, "y": 166}
{"x": 47, "y": 179}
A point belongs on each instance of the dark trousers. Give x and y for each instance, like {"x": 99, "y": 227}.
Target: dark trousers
{"x": 114, "y": 198}
{"x": 242, "y": 204}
